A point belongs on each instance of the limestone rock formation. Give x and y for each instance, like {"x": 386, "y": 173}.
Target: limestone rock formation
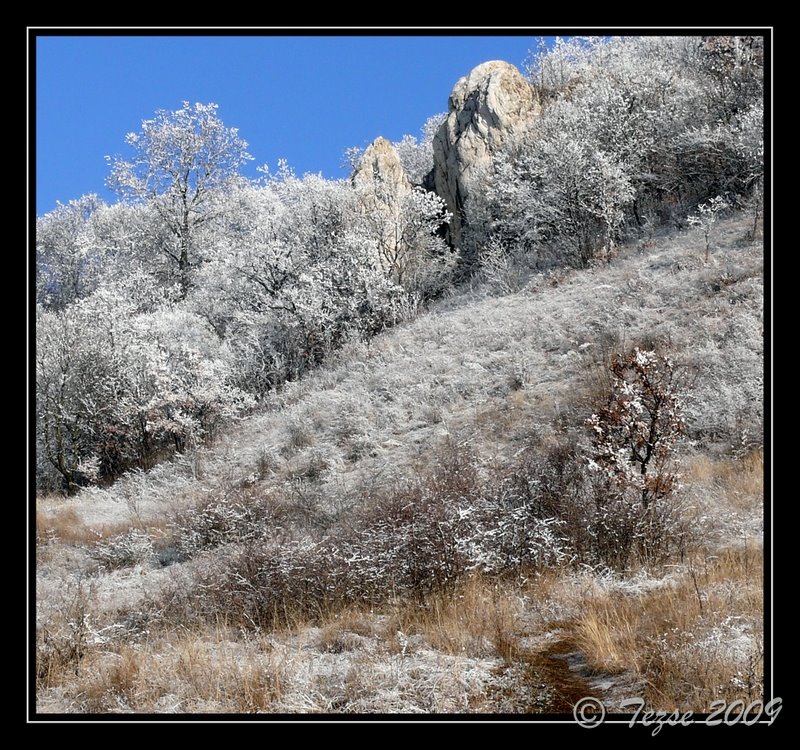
{"x": 382, "y": 187}
{"x": 380, "y": 167}
{"x": 485, "y": 107}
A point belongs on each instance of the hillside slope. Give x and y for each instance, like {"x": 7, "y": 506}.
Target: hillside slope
{"x": 483, "y": 375}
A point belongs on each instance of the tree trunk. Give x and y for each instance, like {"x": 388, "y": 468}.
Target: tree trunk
{"x": 183, "y": 260}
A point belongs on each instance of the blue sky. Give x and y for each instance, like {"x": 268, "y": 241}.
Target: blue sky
{"x": 305, "y": 99}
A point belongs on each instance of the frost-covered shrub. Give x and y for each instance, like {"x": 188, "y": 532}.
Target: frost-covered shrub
{"x": 410, "y": 542}
{"x": 407, "y": 545}
{"x": 635, "y": 431}
{"x": 117, "y": 389}
{"x": 218, "y": 522}
{"x": 135, "y": 547}
{"x": 499, "y": 267}
{"x": 502, "y": 539}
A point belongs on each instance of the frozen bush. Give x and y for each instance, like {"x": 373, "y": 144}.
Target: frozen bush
{"x": 135, "y": 547}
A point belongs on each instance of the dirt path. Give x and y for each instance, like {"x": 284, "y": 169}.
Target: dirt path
{"x": 552, "y": 677}
{"x": 563, "y": 669}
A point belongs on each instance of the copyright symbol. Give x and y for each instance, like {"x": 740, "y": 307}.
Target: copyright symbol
{"x": 589, "y": 712}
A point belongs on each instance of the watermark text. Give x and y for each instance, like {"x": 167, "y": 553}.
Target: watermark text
{"x": 590, "y": 712}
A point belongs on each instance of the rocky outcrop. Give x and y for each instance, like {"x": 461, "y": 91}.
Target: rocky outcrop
{"x": 485, "y": 107}
{"x": 382, "y": 187}
{"x": 380, "y": 167}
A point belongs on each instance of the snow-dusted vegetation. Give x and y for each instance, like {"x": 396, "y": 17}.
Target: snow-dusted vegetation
{"x": 296, "y": 453}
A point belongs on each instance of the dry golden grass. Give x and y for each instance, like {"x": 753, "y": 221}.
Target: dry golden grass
{"x": 257, "y": 689}
{"x": 697, "y": 637}
{"x": 740, "y": 482}
{"x": 66, "y": 525}
{"x": 693, "y": 640}
{"x": 675, "y": 639}
{"x": 477, "y": 618}
{"x": 690, "y": 639}
{"x": 744, "y": 480}
{"x": 607, "y": 634}
{"x": 62, "y": 640}
{"x": 110, "y": 681}
{"x": 343, "y": 630}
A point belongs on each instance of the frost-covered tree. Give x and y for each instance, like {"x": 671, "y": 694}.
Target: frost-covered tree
{"x": 82, "y": 362}
{"x": 180, "y": 159}
{"x": 68, "y": 256}
{"x": 416, "y": 154}
{"x": 733, "y": 68}
{"x": 706, "y": 217}
{"x": 635, "y": 431}
{"x": 178, "y": 385}
{"x": 124, "y": 377}
{"x": 132, "y": 238}
{"x": 552, "y": 68}
{"x": 404, "y": 225}
{"x": 633, "y": 437}
{"x": 74, "y": 387}
{"x": 560, "y": 192}
{"x": 293, "y": 273}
